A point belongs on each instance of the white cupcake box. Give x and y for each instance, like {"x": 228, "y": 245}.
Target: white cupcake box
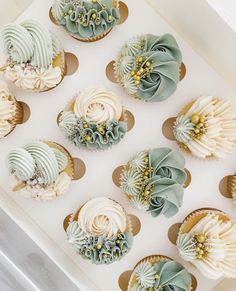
{"x": 43, "y": 222}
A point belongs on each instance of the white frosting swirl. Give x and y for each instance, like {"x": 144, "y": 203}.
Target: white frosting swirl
{"x": 102, "y": 217}
{"x": 220, "y": 135}
{"x": 7, "y": 110}
{"x": 58, "y": 188}
{"x": 221, "y": 241}
{"x": 32, "y": 78}
{"x": 96, "y": 105}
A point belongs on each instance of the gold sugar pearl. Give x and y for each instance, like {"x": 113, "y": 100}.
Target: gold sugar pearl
{"x": 148, "y": 64}
{"x": 195, "y": 118}
{"x": 200, "y": 238}
{"x": 202, "y": 120}
{"x": 196, "y": 130}
{"x": 70, "y": 11}
{"x": 98, "y": 246}
{"x": 88, "y": 138}
{"x": 94, "y": 16}
{"x": 132, "y": 73}
{"x": 157, "y": 276}
{"x": 146, "y": 160}
{"x": 137, "y": 82}
{"x": 85, "y": 125}
{"x": 94, "y": 1}
{"x": 140, "y": 59}
{"x": 110, "y": 17}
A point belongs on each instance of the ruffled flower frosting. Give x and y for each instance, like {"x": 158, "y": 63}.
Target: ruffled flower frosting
{"x": 7, "y": 110}
{"x": 101, "y": 232}
{"x": 86, "y": 19}
{"x": 210, "y": 245}
{"x": 38, "y": 170}
{"x": 162, "y": 275}
{"x": 207, "y": 127}
{"x": 232, "y": 186}
{"x": 31, "y": 50}
{"x": 153, "y": 181}
{"x": 95, "y": 120}
{"x": 148, "y": 67}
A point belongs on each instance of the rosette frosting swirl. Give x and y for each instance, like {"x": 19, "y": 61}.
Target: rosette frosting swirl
{"x": 163, "y": 275}
{"x": 86, "y": 19}
{"x": 148, "y": 67}
{"x": 39, "y": 169}
{"x": 207, "y": 127}
{"x": 7, "y": 110}
{"x": 153, "y": 180}
{"x": 95, "y": 121}
{"x": 101, "y": 233}
{"x": 31, "y": 50}
{"x": 210, "y": 244}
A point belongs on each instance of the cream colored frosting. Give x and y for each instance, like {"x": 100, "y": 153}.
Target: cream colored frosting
{"x": 32, "y": 78}
{"x": 221, "y": 242}
{"x": 102, "y": 217}
{"x": 96, "y": 105}
{"x": 58, "y": 188}
{"x": 7, "y": 110}
{"x": 220, "y": 135}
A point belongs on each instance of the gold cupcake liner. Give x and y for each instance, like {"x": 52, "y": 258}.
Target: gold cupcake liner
{"x": 194, "y": 217}
{"x": 231, "y": 185}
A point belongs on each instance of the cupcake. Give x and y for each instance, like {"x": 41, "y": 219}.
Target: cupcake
{"x": 11, "y": 111}
{"x": 34, "y": 56}
{"x": 153, "y": 181}
{"x": 207, "y": 239}
{"x": 41, "y": 170}
{"x": 86, "y": 20}
{"x": 100, "y": 231}
{"x": 159, "y": 273}
{"x": 148, "y": 67}
{"x": 206, "y": 127}
{"x": 94, "y": 119}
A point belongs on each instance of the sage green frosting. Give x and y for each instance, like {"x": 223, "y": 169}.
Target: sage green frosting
{"x": 36, "y": 163}
{"x": 110, "y": 249}
{"x": 148, "y": 67}
{"x": 29, "y": 42}
{"x": 186, "y": 246}
{"x": 183, "y": 128}
{"x": 86, "y": 19}
{"x": 87, "y": 135}
{"x": 161, "y": 276}
{"x": 153, "y": 180}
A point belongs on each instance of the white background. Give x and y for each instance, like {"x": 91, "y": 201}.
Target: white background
{"x": 203, "y": 191}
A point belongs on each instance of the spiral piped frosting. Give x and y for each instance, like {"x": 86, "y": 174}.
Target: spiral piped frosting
{"x": 153, "y": 181}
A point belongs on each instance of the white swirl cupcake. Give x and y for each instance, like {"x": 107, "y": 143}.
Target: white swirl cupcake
{"x": 100, "y": 231}
{"x": 206, "y": 127}
{"x": 41, "y": 170}
{"x": 94, "y": 119}
{"x": 11, "y": 111}
{"x": 34, "y": 56}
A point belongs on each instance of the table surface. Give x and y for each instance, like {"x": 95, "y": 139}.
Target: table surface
{"x": 203, "y": 191}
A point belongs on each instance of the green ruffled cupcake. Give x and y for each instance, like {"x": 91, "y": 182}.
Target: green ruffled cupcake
{"x": 159, "y": 273}
{"x": 148, "y": 67}
{"x": 153, "y": 181}
{"x": 100, "y": 231}
{"x": 94, "y": 119}
{"x": 87, "y": 20}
